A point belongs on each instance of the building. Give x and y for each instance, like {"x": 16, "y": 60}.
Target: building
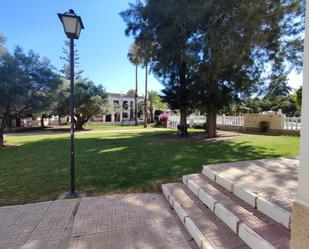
{"x": 122, "y": 109}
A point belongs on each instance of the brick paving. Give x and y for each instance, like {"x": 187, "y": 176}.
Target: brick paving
{"x": 132, "y": 221}
{"x": 273, "y": 179}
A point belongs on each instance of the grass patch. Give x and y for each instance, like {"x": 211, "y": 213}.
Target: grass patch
{"x": 38, "y": 170}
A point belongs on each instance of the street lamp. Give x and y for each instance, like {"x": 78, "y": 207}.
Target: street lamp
{"x": 72, "y": 25}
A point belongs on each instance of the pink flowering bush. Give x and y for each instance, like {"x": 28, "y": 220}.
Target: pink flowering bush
{"x": 164, "y": 117}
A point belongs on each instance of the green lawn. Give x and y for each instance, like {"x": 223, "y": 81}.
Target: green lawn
{"x": 38, "y": 169}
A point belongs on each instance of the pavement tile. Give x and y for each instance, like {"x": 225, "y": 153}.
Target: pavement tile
{"x": 274, "y": 179}
{"x": 137, "y": 221}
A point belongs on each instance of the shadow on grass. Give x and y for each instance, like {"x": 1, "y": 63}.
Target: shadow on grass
{"x": 130, "y": 162}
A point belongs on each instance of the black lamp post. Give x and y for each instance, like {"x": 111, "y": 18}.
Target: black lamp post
{"x": 72, "y": 25}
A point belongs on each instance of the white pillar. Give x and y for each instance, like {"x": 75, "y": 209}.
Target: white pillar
{"x": 121, "y": 109}
{"x": 303, "y": 181}
{"x": 112, "y": 117}
{"x": 300, "y": 221}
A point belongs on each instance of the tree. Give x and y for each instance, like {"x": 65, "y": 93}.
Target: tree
{"x": 209, "y": 54}
{"x": 163, "y": 33}
{"x": 287, "y": 103}
{"x": 251, "y": 35}
{"x": 154, "y": 102}
{"x": 27, "y": 83}
{"x": 136, "y": 60}
{"x": 66, "y": 68}
{"x": 131, "y": 92}
{"x": 59, "y": 106}
{"x": 299, "y": 96}
{"x": 90, "y": 100}
{"x": 2, "y": 45}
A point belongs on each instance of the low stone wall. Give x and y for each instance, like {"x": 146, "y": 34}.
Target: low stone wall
{"x": 230, "y": 127}
{"x": 273, "y": 131}
{"x": 276, "y": 122}
{"x": 252, "y": 125}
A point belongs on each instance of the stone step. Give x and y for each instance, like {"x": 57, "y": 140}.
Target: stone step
{"x": 253, "y": 227}
{"x": 258, "y": 183}
{"x": 208, "y": 231}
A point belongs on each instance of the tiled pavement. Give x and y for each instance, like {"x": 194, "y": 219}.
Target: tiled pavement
{"x": 132, "y": 221}
{"x": 127, "y": 221}
{"x": 40, "y": 225}
{"x": 273, "y": 179}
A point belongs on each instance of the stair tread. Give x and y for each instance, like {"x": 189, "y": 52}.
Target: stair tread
{"x": 216, "y": 233}
{"x": 271, "y": 231}
{"x": 268, "y": 175}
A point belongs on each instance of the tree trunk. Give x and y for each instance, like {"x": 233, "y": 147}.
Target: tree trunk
{"x": 79, "y": 125}
{"x": 59, "y": 120}
{"x": 211, "y": 123}
{"x": 183, "y": 123}
{"x": 10, "y": 123}
{"x": 2, "y": 125}
{"x": 42, "y": 122}
{"x": 1, "y": 138}
{"x": 151, "y": 114}
{"x": 135, "y": 97}
{"x": 80, "y": 121}
{"x": 146, "y": 91}
{"x": 183, "y": 99}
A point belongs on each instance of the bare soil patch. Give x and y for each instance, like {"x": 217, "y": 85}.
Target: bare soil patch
{"x": 9, "y": 146}
{"x": 198, "y": 137}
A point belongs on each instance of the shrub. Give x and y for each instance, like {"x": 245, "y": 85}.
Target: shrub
{"x": 164, "y": 117}
{"x": 200, "y": 126}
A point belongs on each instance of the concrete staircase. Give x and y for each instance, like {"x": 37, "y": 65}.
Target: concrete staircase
{"x": 220, "y": 214}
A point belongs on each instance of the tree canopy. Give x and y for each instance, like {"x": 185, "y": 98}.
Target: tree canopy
{"x": 90, "y": 100}
{"x": 65, "y": 58}
{"x": 209, "y": 53}
{"x": 27, "y": 85}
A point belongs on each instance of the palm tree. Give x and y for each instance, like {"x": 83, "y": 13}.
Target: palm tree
{"x": 135, "y": 59}
{"x": 146, "y": 91}
{"x": 140, "y": 54}
{"x": 154, "y": 102}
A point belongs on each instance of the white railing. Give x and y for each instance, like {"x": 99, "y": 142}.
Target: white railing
{"x": 172, "y": 122}
{"x": 192, "y": 120}
{"x": 292, "y": 123}
{"x": 196, "y": 120}
{"x": 230, "y": 120}
{"x": 289, "y": 123}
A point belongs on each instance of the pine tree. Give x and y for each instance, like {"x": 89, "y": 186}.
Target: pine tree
{"x": 65, "y": 71}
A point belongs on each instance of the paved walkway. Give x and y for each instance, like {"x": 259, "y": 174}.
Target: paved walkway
{"x": 273, "y": 179}
{"x": 135, "y": 221}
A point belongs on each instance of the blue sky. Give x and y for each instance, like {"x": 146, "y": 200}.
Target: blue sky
{"x": 103, "y": 47}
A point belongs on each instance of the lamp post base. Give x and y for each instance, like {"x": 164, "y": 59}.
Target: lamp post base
{"x": 73, "y": 195}
{"x": 69, "y": 195}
